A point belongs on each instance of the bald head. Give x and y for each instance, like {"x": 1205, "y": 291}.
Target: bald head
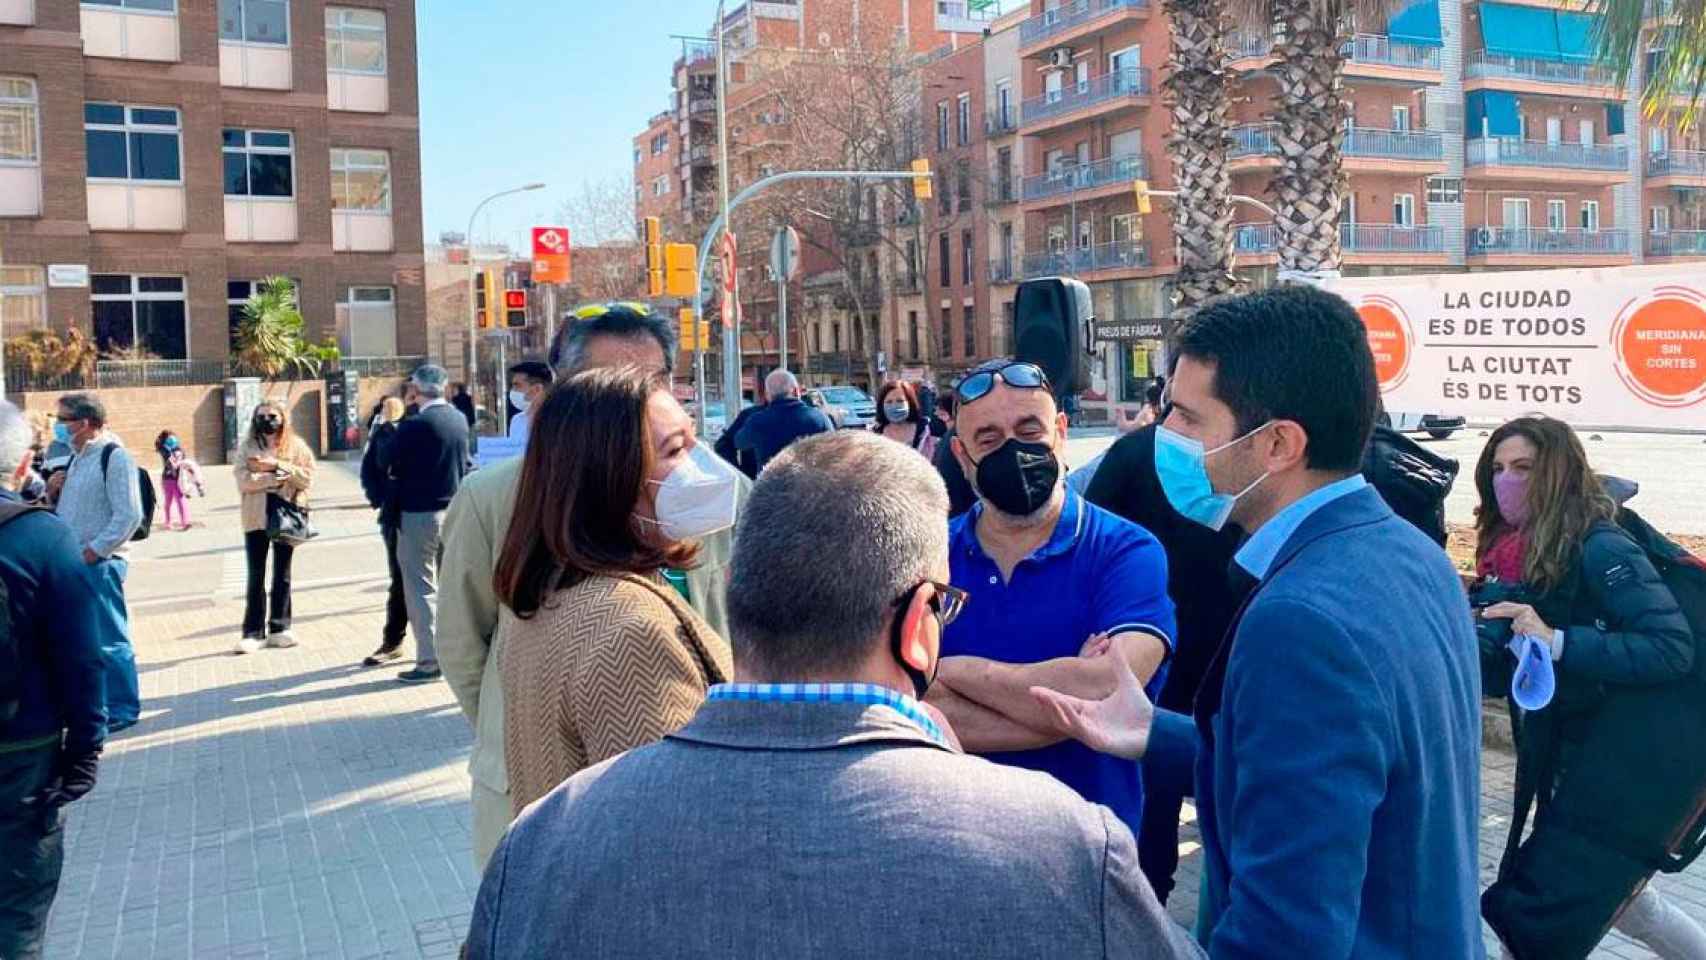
{"x": 780, "y": 384}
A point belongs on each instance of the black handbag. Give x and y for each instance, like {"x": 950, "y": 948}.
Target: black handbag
{"x": 288, "y": 523}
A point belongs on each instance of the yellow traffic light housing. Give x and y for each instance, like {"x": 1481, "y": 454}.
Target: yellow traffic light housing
{"x": 681, "y": 276}
{"x": 694, "y": 333}
{"x": 654, "y": 257}
{"x": 485, "y": 298}
{"x": 922, "y": 187}
{"x": 1141, "y": 188}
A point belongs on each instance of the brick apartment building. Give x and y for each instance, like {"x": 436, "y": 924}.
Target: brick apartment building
{"x": 181, "y": 150}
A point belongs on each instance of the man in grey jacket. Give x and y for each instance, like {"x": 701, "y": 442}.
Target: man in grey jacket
{"x": 101, "y": 500}
{"x": 816, "y": 807}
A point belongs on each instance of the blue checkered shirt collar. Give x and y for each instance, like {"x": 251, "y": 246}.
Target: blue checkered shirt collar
{"x": 870, "y": 694}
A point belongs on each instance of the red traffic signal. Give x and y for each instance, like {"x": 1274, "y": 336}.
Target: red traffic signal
{"x": 515, "y": 299}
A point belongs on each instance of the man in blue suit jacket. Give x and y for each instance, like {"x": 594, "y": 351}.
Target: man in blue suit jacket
{"x": 1337, "y": 732}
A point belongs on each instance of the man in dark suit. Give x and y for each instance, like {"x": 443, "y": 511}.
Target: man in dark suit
{"x": 818, "y": 785}
{"x": 426, "y": 461}
{"x": 1338, "y": 729}
{"x": 783, "y": 420}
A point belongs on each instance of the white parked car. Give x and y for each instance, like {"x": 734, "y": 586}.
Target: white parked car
{"x": 859, "y": 411}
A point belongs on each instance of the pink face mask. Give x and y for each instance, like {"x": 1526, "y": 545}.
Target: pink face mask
{"x": 1510, "y": 489}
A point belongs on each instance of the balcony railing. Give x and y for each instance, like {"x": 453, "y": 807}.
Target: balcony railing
{"x": 1003, "y": 188}
{"x": 1687, "y": 163}
{"x": 1253, "y": 140}
{"x": 1379, "y": 50}
{"x": 1107, "y": 88}
{"x": 908, "y": 285}
{"x": 1509, "y": 151}
{"x": 999, "y": 121}
{"x": 698, "y": 51}
{"x": 1069, "y": 16}
{"x": 1497, "y": 240}
{"x": 1249, "y": 43}
{"x": 1004, "y": 271}
{"x": 700, "y": 154}
{"x": 1126, "y": 255}
{"x": 1485, "y": 65}
{"x": 1254, "y": 238}
{"x": 1090, "y": 176}
{"x": 1677, "y": 243}
{"x": 1390, "y": 238}
{"x": 1393, "y": 144}
{"x": 702, "y": 105}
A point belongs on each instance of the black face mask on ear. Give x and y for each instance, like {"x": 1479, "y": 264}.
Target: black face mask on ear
{"x": 1017, "y": 478}
{"x": 920, "y": 681}
{"x": 268, "y": 425}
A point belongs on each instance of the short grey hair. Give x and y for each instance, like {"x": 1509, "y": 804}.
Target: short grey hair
{"x": 780, "y": 383}
{"x": 430, "y": 380}
{"x": 795, "y": 611}
{"x": 83, "y": 406}
{"x": 17, "y": 439}
{"x": 567, "y": 355}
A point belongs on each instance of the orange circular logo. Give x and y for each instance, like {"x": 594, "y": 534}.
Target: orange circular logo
{"x": 1661, "y": 347}
{"x": 1389, "y": 338}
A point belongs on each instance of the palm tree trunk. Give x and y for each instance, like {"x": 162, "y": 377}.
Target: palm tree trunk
{"x": 1309, "y": 188}
{"x": 1198, "y": 146}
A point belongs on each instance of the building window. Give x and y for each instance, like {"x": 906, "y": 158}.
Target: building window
{"x": 20, "y": 122}
{"x": 23, "y": 300}
{"x": 1404, "y": 209}
{"x": 947, "y": 341}
{"x": 1445, "y": 189}
{"x": 1660, "y": 221}
{"x": 255, "y": 21}
{"x": 1590, "y": 216}
{"x": 962, "y": 182}
{"x": 946, "y": 263}
{"x": 1401, "y": 118}
{"x": 966, "y": 249}
{"x": 1555, "y": 215}
{"x": 143, "y": 318}
{"x": 835, "y": 336}
{"x": 237, "y": 294}
{"x": 942, "y": 125}
{"x": 969, "y": 331}
{"x": 912, "y": 333}
{"x": 912, "y": 263}
{"x": 133, "y": 143}
{"x": 259, "y": 163}
{"x": 660, "y": 186}
{"x": 361, "y": 180}
{"x": 355, "y": 41}
{"x": 660, "y": 143}
{"x": 1516, "y": 213}
{"x": 962, "y": 125}
{"x": 367, "y": 322}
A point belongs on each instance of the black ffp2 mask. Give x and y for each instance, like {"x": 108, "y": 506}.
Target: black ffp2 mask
{"x": 1017, "y": 478}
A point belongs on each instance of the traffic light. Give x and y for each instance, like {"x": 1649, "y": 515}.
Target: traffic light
{"x": 515, "y": 308}
{"x": 691, "y": 331}
{"x": 654, "y": 257}
{"x": 921, "y": 183}
{"x": 681, "y": 274}
{"x": 485, "y": 298}
{"x": 1141, "y": 188}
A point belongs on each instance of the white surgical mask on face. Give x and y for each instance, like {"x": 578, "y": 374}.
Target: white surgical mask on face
{"x": 519, "y": 399}
{"x": 697, "y": 498}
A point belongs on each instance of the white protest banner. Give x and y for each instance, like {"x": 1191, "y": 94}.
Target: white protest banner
{"x": 491, "y": 450}
{"x": 1606, "y": 347}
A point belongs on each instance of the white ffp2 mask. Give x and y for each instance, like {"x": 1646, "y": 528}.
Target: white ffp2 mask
{"x": 698, "y": 496}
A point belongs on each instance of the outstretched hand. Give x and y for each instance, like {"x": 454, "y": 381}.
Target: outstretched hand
{"x": 1118, "y": 724}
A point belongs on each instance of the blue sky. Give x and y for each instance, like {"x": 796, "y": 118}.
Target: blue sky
{"x": 516, "y": 91}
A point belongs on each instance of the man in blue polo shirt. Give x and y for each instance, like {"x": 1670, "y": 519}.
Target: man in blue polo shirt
{"x": 1047, "y": 573}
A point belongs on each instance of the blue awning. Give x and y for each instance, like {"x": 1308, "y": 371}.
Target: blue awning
{"x": 1577, "y": 34}
{"x": 1416, "y": 24}
{"x": 1499, "y": 111}
{"x": 1519, "y": 31}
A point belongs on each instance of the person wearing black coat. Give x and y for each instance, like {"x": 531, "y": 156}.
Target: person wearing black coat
{"x": 1615, "y": 762}
{"x": 1205, "y": 593}
{"x": 380, "y": 490}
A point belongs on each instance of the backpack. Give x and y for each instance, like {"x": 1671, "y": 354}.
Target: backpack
{"x": 1682, "y": 572}
{"x": 145, "y": 485}
{"x": 11, "y": 660}
{"x": 1413, "y": 480}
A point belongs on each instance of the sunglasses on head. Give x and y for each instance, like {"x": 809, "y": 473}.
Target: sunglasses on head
{"x": 596, "y": 310}
{"x": 976, "y": 386}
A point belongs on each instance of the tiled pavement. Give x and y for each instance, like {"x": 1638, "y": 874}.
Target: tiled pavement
{"x": 292, "y": 804}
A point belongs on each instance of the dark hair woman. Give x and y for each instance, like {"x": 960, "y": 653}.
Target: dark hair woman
{"x": 598, "y": 648}
{"x": 1585, "y": 603}
{"x": 900, "y": 417}
{"x": 273, "y": 461}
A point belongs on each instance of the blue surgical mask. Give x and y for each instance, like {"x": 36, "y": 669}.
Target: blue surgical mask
{"x": 62, "y": 432}
{"x": 1181, "y": 464}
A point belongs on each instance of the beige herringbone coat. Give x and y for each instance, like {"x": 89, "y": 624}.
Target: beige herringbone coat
{"x": 607, "y": 665}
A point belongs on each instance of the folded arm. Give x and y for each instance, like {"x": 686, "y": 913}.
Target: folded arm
{"x": 982, "y": 730}
{"x": 1005, "y": 688}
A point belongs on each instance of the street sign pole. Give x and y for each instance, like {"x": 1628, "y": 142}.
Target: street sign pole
{"x": 782, "y": 322}
{"x": 784, "y": 260}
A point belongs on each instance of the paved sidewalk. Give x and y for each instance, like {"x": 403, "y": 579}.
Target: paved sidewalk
{"x": 292, "y": 804}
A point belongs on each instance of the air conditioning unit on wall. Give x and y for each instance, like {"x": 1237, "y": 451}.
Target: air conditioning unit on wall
{"x": 1060, "y": 57}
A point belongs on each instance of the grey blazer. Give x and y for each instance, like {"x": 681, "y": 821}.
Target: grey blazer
{"x": 815, "y": 830}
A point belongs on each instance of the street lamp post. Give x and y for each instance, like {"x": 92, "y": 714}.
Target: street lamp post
{"x": 472, "y": 374}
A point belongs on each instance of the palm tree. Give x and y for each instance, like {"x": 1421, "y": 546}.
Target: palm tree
{"x": 1631, "y": 28}
{"x": 1198, "y": 144}
{"x": 1309, "y": 130}
{"x": 270, "y": 338}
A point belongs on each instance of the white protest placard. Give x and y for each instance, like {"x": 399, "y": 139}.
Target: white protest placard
{"x": 1604, "y": 347}
{"x": 492, "y": 450}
